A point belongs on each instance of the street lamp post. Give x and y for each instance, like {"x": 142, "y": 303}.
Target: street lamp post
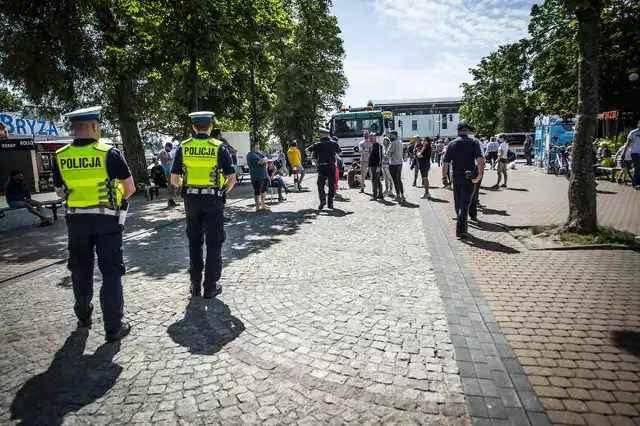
{"x": 256, "y": 49}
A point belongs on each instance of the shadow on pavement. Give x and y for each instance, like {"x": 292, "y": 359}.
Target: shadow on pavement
{"x": 438, "y": 200}
{"x": 409, "y": 205}
{"x": 601, "y": 191}
{"x": 487, "y": 226}
{"x": 207, "y": 326}
{"x": 489, "y": 245}
{"x": 72, "y": 381}
{"x": 489, "y": 211}
{"x": 517, "y": 189}
{"x": 627, "y": 340}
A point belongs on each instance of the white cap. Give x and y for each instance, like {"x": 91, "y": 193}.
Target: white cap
{"x": 85, "y": 114}
{"x": 201, "y": 116}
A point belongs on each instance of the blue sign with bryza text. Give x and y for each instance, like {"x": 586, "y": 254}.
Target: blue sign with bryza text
{"x": 28, "y": 127}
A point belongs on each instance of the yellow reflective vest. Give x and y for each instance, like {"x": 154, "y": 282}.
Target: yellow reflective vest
{"x": 200, "y": 160}
{"x": 84, "y": 172}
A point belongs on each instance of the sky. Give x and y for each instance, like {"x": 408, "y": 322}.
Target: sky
{"x": 399, "y": 49}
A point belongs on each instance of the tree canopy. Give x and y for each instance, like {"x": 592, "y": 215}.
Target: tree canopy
{"x": 151, "y": 62}
{"x": 539, "y": 75}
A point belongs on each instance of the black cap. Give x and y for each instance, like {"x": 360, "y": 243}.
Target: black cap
{"x": 464, "y": 126}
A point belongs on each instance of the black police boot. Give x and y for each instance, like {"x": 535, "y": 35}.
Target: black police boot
{"x": 122, "y": 331}
{"x": 211, "y": 292}
{"x": 321, "y": 206}
{"x": 194, "y": 290}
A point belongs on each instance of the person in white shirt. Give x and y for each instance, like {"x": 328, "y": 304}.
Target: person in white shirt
{"x": 492, "y": 153}
{"x": 633, "y": 144}
{"x": 623, "y": 159}
{"x": 503, "y": 155}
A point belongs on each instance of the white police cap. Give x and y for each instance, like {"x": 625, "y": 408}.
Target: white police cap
{"x": 323, "y": 131}
{"x": 201, "y": 116}
{"x": 85, "y": 114}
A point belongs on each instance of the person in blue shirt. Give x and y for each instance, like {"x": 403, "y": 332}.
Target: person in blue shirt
{"x": 19, "y": 196}
{"x": 465, "y": 157}
{"x": 257, "y": 163}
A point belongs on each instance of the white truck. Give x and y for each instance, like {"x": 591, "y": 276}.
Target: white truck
{"x": 348, "y": 125}
{"x": 241, "y": 142}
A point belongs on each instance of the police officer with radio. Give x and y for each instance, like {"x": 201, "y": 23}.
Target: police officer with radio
{"x": 208, "y": 172}
{"x": 464, "y": 156}
{"x": 96, "y": 181}
{"x": 325, "y": 151}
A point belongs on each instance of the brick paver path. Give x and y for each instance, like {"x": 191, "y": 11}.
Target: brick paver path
{"x": 573, "y": 317}
{"x": 331, "y": 318}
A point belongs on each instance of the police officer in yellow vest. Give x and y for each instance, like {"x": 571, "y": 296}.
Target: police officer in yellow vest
{"x": 208, "y": 174}
{"x": 96, "y": 181}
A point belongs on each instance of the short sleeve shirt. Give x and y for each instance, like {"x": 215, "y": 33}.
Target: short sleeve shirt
{"x": 634, "y": 138}
{"x": 117, "y": 167}
{"x": 225, "y": 163}
{"x": 462, "y": 154}
{"x": 504, "y": 150}
{"x": 364, "y": 156}
{"x": 257, "y": 171}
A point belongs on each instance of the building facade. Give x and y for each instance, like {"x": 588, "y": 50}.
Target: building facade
{"x": 433, "y": 117}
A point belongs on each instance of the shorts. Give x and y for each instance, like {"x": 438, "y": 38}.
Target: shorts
{"x": 260, "y": 186}
{"x": 424, "y": 171}
{"x": 503, "y": 160}
{"x": 15, "y": 204}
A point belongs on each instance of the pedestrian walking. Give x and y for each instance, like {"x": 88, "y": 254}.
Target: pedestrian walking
{"x": 623, "y": 158}
{"x": 396, "y": 158}
{"x": 439, "y": 149}
{"x": 257, "y": 163}
{"x": 464, "y": 157}
{"x": 208, "y": 173}
{"x": 528, "y": 150}
{"x": 166, "y": 158}
{"x": 96, "y": 181}
{"x": 388, "y": 180}
{"x": 364, "y": 148}
{"x": 325, "y": 151}
{"x": 417, "y": 147}
{"x": 424, "y": 165}
{"x": 633, "y": 144}
{"x": 503, "y": 161}
{"x": 295, "y": 159}
{"x": 375, "y": 165}
{"x": 492, "y": 153}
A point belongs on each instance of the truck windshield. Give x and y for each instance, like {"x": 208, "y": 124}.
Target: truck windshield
{"x": 353, "y": 128}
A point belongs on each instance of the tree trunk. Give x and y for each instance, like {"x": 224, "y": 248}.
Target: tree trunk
{"x": 133, "y": 149}
{"x": 193, "y": 72}
{"x": 583, "y": 217}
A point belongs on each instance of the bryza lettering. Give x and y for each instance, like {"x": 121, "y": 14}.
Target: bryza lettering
{"x": 80, "y": 163}
{"x": 26, "y": 127}
{"x": 192, "y": 151}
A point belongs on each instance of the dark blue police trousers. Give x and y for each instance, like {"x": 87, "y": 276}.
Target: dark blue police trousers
{"x": 463, "y": 190}
{"x": 91, "y": 234}
{"x": 205, "y": 224}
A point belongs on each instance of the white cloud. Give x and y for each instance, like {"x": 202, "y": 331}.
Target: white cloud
{"x": 442, "y": 78}
{"x": 478, "y": 23}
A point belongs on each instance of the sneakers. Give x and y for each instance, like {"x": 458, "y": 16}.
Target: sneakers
{"x": 118, "y": 334}
{"x": 426, "y": 196}
{"x": 496, "y": 186}
{"x": 210, "y": 293}
{"x": 504, "y": 185}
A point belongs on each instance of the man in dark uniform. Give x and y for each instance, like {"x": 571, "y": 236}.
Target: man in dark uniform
{"x": 467, "y": 163}
{"x": 208, "y": 174}
{"x": 96, "y": 181}
{"x": 325, "y": 152}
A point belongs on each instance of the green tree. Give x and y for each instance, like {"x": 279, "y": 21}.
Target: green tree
{"x": 497, "y": 99}
{"x": 311, "y": 80}
{"x": 9, "y": 102}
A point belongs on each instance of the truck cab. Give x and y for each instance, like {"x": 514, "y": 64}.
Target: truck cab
{"x": 348, "y": 125}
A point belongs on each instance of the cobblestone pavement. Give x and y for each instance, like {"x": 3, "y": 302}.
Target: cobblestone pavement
{"x": 325, "y": 318}
{"x": 572, "y": 317}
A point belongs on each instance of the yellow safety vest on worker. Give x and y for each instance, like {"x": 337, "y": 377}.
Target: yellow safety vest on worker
{"x": 200, "y": 160}
{"x": 84, "y": 171}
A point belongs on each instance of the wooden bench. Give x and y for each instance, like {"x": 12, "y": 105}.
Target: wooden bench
{"x": 610, "y": 172}
{"x": 53, "y": 205}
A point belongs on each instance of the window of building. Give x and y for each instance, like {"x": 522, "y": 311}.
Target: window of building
{"x": 444, "y": 124}
{"x": 414, "y": 125}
